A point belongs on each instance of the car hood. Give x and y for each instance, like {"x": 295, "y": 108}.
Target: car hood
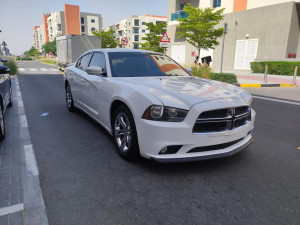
{"x": 184, "y": 92}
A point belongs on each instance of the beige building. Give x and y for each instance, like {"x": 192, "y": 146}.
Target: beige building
{"x": 257, "y": 31}
{"x": 134, "y": 29}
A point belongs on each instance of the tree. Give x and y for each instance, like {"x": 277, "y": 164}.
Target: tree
{"x": 152, "y": 39}
{"x": 32, "y": 52}
{"x": 50, "y": 47}
{"x": 107, "y": 38}
{"x": 199, "y": 27}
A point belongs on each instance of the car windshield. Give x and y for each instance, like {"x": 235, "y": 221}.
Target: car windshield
{"x": 143, "y": 64}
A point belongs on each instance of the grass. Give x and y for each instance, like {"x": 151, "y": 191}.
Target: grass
{"x": 48, "y": 61}
{"x": 12, "y": 64}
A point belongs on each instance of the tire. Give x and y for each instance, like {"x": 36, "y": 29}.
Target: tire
{"x": 2, "y": 124}
{"x": 69, "y": 99}
{"x": 10, "y": 104}
{"x": 124, "y": 132}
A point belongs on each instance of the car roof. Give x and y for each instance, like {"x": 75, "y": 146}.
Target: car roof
{"x": 120, "y": 50}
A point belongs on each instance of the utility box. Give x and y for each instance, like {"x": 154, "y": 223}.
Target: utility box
{"x": 70, "y": 47}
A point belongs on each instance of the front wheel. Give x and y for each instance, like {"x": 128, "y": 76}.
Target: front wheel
{"x": 2, "y": 124}
{"x": 124, "y": 133}
{"x": 69, "y": 99}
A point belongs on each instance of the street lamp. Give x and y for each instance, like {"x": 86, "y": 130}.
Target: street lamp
{"x": 225, "y": 31}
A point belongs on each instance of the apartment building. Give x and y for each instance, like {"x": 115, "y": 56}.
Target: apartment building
{"x": 257, "y": 31}
{"x": 134, "y": 28}
{"x": 69, "y": 21}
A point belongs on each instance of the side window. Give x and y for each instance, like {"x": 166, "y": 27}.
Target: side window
{"x": 98, "y": 60}
{"x": 84, "y": 62}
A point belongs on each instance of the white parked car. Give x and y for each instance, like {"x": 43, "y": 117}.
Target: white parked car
{"x": 154, "y": 108}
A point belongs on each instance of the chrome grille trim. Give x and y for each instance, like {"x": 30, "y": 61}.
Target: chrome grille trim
{"x": 236, "y": 117}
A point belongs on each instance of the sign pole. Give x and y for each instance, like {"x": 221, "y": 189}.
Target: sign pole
{"x": 224, "y": 33}
{"x": 164, "y": 51}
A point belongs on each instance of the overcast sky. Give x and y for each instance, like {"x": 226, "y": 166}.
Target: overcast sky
{"x": 17, "y": 17}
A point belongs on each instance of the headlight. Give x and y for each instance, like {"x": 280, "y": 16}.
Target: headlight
{"x": 164, "y": 113}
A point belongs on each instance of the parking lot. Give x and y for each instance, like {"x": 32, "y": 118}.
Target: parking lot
{"x": 84, "y": 181}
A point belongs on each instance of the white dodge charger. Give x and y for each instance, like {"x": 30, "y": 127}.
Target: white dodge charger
{"x": 154, "y": 108}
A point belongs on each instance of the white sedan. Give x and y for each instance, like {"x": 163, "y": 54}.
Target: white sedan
{"x": 154, "y": 108}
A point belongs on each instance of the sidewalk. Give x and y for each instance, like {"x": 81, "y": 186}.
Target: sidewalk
{"x": 21, "y": 200}
{"x": 258, "y": 78}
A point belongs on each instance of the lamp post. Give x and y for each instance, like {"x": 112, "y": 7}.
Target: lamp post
{"x": 224, "y": 33}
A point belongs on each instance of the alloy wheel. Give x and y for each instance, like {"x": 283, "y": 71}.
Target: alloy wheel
{"x": 122, "y": 130}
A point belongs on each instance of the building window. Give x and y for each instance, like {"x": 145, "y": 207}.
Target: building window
{"x": 92, "y": 21}
{"x": 182, "y": 6}
{"x": 143, "y": 31}
{"x": 143, "y": 23}
{"x": 136, "y": 46}
{"x": 217, "y": 3}
{"x": 82, "y": 20}
{"x": 93, "y": 29}
{"x": 82, "y": 29}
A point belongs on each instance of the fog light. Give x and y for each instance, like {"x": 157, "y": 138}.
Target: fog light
{"x": 172, "y": 149}
{"x": 163, "y": 150}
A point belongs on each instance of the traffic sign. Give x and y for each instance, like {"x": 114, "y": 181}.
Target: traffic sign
{"x": 165, "y": 44}
{"x": 124, "y": 41}
{"x": 165, "y": 38}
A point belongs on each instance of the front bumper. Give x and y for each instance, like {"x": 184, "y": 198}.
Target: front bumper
{"x": 206, "y": 157}
{"x": 153, "y": 136}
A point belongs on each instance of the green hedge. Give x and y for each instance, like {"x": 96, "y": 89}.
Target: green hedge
{"x": 12, "y": 64}
{"x": 24, "y": 58}
{"x": 276, "y": 67}
{"x": 224, "y": 77}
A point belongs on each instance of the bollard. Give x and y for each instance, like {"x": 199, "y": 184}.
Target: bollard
{"x": 295, "y": 75}
{"x": 266, "y": 73}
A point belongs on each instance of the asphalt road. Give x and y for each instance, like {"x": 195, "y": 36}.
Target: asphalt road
{"x": 84, "y": 181}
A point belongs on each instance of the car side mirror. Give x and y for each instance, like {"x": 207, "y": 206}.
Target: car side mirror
{"x": 4, "y": 69}
{"x": 94, "y": 70}
{"x": 3, "y": 59}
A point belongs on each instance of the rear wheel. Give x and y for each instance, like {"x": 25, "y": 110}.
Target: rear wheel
{"x": 69, "y": 99}
{"x": 2, "y": 124}
{"x": 125, "y": 135}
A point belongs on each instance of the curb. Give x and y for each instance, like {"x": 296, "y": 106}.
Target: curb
{"x": 34, "y": 205}
{"x": 267, "y": 85}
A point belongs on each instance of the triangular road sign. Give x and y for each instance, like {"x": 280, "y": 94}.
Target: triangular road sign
{"x": 165, "y": 38}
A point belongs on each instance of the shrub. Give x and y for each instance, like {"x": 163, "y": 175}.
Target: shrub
{"x": 203, "y": 71}
{"x": 224, "y": 77}
{"x": 48, "y": 61}
{"x": 275, "y": 67}
{"x": 11, "y": 64}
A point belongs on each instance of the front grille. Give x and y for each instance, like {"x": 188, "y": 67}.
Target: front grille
{"x": 222, "y": 119}
{"x": 214, "y": 147}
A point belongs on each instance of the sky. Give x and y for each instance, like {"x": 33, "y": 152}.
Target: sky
{"x": 18, "y": 17}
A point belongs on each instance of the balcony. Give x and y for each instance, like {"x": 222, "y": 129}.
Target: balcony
{"x": 178, "y": 15}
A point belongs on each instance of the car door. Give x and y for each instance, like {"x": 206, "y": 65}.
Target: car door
{"x": 93, "y": 84}
{"x": 80, "y": 82}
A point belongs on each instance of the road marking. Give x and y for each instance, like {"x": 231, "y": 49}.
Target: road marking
{"x": 30, "y": 160}
{"x": 11, "y": 209}
{"x": 23, "y": 121}
{"x": 54, "y": 69}
{"x": 21, "y": 69}
{"x": 32, "y": 69}
{"x": 43, "y": 69}
{"x": 277, "y": 100}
